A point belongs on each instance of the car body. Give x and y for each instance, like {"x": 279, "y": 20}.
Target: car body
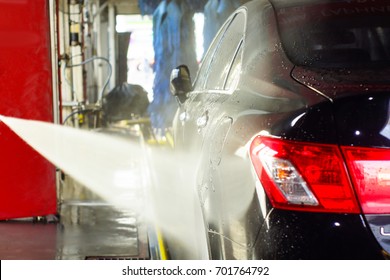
{"x": 289, "y": 118}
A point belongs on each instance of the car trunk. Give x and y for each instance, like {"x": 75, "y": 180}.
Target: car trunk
{"x": 361, "y": 111}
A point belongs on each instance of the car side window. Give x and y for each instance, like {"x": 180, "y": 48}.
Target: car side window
{"x": 221, "y": 61}
{"x": 205, "y": 63}
{"x": 234, "y": 72}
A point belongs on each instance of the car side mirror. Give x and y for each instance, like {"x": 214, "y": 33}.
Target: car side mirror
{"x": 180, "y": 83}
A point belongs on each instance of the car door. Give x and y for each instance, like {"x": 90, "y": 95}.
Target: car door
{"x": 192, "y": 117}
{"x": 219, "y": 85}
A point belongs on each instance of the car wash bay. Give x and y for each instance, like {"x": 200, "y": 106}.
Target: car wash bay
{"x": 58, "y": 63}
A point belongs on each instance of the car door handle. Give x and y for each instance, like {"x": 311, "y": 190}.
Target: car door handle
{"x": 201, "y": 122}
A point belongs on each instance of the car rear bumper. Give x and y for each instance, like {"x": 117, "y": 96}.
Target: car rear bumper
{"x": 302, "y": 235}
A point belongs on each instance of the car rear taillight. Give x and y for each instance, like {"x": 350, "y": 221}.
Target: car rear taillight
{"x": 303, "y": 176}
{"x": 370, "y": 172}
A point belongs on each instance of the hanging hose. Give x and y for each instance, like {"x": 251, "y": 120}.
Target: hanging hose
{"x": 100, "y": 97}
{"x": 99, "y": 101}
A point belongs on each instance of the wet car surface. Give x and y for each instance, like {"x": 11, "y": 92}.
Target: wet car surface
{"x": 289, "y": 119}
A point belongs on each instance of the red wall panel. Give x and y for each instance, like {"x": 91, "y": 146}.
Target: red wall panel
{"x": 27, "y": 180}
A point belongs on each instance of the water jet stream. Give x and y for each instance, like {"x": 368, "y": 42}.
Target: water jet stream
{"x": 126, "y": 174}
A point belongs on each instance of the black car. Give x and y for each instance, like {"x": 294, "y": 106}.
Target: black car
{"x": 289, "y": 118}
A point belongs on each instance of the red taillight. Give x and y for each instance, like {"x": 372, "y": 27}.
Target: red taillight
{"x": 303, "y": 176}
{"x": 370, "y": 172}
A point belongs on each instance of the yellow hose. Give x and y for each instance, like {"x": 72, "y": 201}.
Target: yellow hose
{"x": 161, "y": 246}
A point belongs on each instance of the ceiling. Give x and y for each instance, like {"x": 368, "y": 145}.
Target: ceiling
{"x": 126, "y": 6}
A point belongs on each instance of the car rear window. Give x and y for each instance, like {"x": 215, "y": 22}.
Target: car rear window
{"x": 335, "y": 34}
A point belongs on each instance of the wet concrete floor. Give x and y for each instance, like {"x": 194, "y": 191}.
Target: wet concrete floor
{"x": 85, "y": 230}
